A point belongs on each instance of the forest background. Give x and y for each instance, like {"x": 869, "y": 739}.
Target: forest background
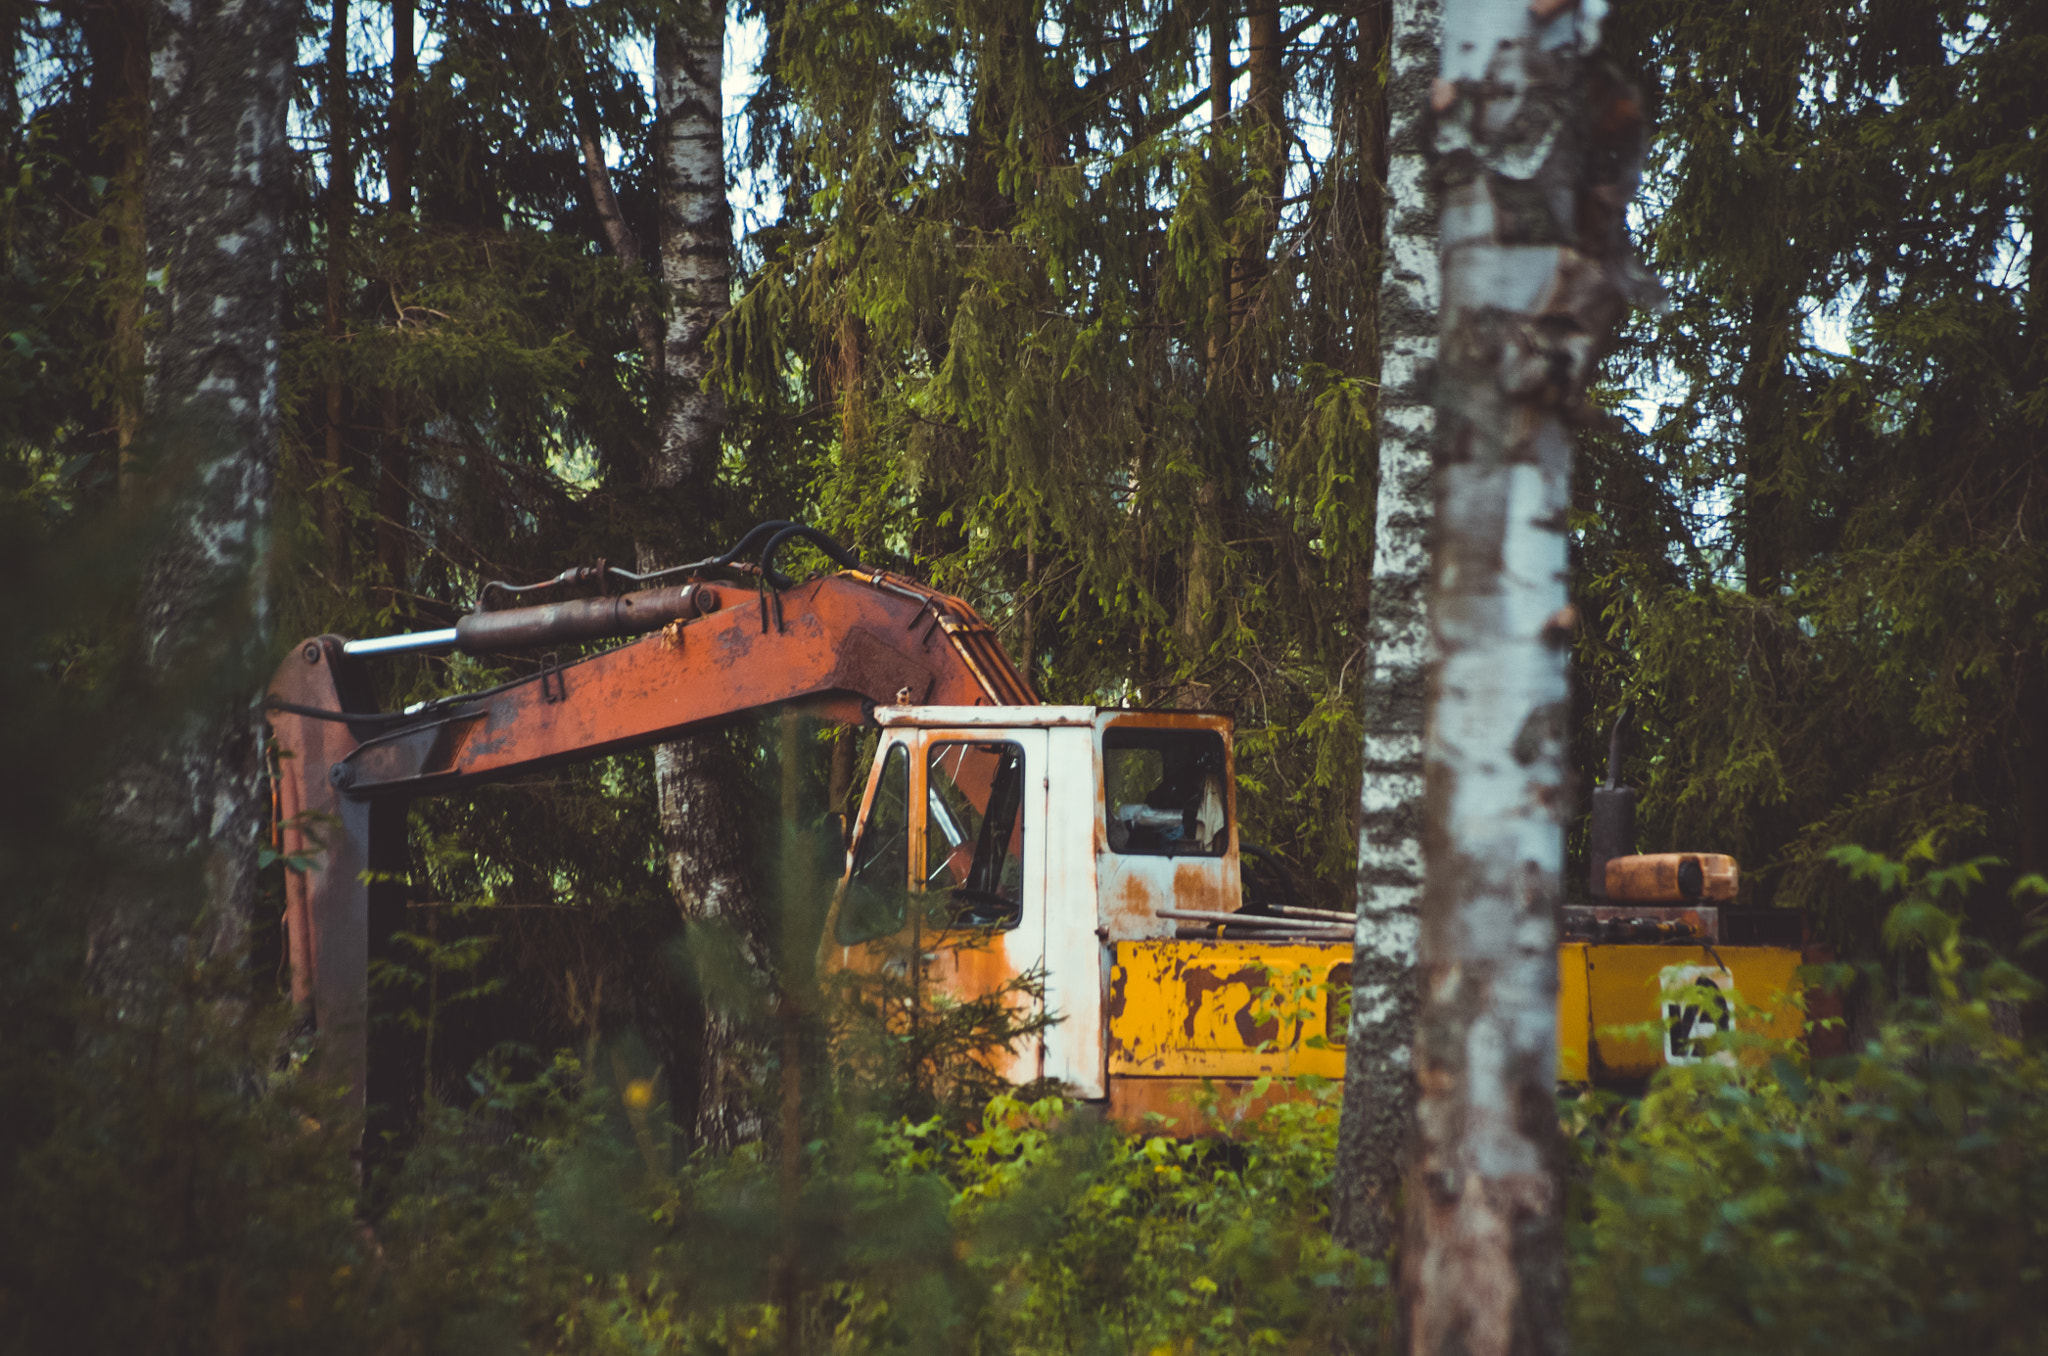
{"x": 1070, "y": 310}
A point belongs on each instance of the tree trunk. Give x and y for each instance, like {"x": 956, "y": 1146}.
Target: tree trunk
{"x": 394, "y": 457}
{"x": 1266, "y": 102}
{"x": 1379, "y": 1086}
{"x": 1538, "y": 151}
{"x": 341, "y": 207}
{"x": 1203, "y": 563}
{"x": 116, "y": 37}
{"x": 696, "y": 244}
{"x": 217, "y": 183}
{"x": 1771, "y": 499}
{"x": 700, "y": 778}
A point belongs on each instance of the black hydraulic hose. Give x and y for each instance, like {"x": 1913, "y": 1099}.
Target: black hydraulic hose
{"x": 426, "y": 710}
{"x": 754, "y": 534}
{"x": 776, "y": 531}
{"x": 839, "y": 554}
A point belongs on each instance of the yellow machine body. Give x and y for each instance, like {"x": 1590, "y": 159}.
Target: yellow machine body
{"x": 997, "y": 843}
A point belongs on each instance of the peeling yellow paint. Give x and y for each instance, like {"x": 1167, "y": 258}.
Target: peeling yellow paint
{"x": 1240, "y": 1009}
{"x": 1222, "y": 1009}
{"x": 1622, "y": 989}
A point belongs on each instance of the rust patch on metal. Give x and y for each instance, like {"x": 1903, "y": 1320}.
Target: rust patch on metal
{"x": 1199, "y": 885}
{"x": 1135, "y": 906}
{"x": 967, "y": 966}
{"x": 1172, "y": 1106}
{"x": 1198, "y": 982}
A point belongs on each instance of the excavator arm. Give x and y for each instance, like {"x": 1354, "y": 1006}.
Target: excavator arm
{"x": 713, "y": 649}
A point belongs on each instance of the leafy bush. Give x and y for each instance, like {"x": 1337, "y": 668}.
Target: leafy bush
{"x": 1894, "y": 1200}
{"x": 1040, "y": 1230}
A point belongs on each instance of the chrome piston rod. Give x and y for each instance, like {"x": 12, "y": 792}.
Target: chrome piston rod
{"x": 405, "y": 644}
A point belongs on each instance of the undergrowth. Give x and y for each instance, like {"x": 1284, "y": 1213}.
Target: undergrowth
{"x": 1891, "y": 1201}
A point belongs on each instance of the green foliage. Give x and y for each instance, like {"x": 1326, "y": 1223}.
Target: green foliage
{"x": 1815, "y": 556}
{"x": 897, "y": 1057}
{"x": 1888, "y": 1201}
{"x": 1092, "y": 1242}
{"x": 1033, "y": 327}
{"x": 1072, "y": 350}
{"x": 1035, "y": 1230}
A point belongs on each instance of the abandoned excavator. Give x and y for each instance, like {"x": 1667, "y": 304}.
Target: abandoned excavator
{"x": 997, "y": 836}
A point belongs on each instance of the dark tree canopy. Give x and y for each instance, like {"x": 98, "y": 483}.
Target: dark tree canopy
{"x": 1817, "y": 568}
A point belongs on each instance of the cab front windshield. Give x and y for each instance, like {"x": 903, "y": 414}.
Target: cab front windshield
{"x": 974, "y": 834}
{"x": 972, "y": 875}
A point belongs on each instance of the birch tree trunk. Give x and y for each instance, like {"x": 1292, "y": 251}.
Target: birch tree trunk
{"x": 1379, "y": 1086}
{"x": 216, "y": 186}
{"x": 1538, "y": 148}
{"x": 699, "y": 779}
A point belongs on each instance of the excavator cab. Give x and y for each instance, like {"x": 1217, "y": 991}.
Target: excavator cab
{"x": 996, "y": 842}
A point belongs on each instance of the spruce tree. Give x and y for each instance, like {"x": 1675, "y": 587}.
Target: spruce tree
{"x": 1085, "y": 340}
{"x": 1814, "y": 565}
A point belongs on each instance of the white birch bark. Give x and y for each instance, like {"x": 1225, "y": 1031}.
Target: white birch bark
{"x": 1535, "y": 272}
{"x": 214, "y": 195}
{"x": 698, "y": 778}
{"x": 696, "y": 242}
{"x": 1379, "y": 1095}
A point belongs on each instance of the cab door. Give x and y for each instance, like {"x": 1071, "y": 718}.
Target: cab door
{"x": 979, "y": 844}
{"x": 945, "y": 891}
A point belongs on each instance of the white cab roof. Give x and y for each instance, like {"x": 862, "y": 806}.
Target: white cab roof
{"x": 969, "y": 717}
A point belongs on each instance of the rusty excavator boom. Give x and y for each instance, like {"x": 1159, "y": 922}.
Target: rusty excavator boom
{"x": 717, "y": 639}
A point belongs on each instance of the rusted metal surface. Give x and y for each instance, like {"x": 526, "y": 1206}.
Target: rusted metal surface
{"x": 1132, "y": 888}
{"x": 329, "y": 839}
{"x": 1193, "y": 1009}
{"x": 1231, "y": 1009}
{"x": 1672, "y": 878}
{"x": 1187, "y": 1107}
{"x": 960, "y": 964}
{"x": 582, "y": 619}
{"x": 844, "y": 643}
{"x": 1639, "y": 923}
{"x": 840, "y": 638}
{"x": 963, "y": 964}
{"x": 983, "y": 717}
{"x": 1142, "y": 1016}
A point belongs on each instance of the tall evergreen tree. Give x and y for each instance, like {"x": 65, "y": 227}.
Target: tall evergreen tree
{"x": 1817, "y": 565}
{"x": 1094, "y": 346}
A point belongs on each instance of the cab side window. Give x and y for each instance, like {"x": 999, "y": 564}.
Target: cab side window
{"x": 1164, "y": 792}
{"x": 876, "y": 902}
